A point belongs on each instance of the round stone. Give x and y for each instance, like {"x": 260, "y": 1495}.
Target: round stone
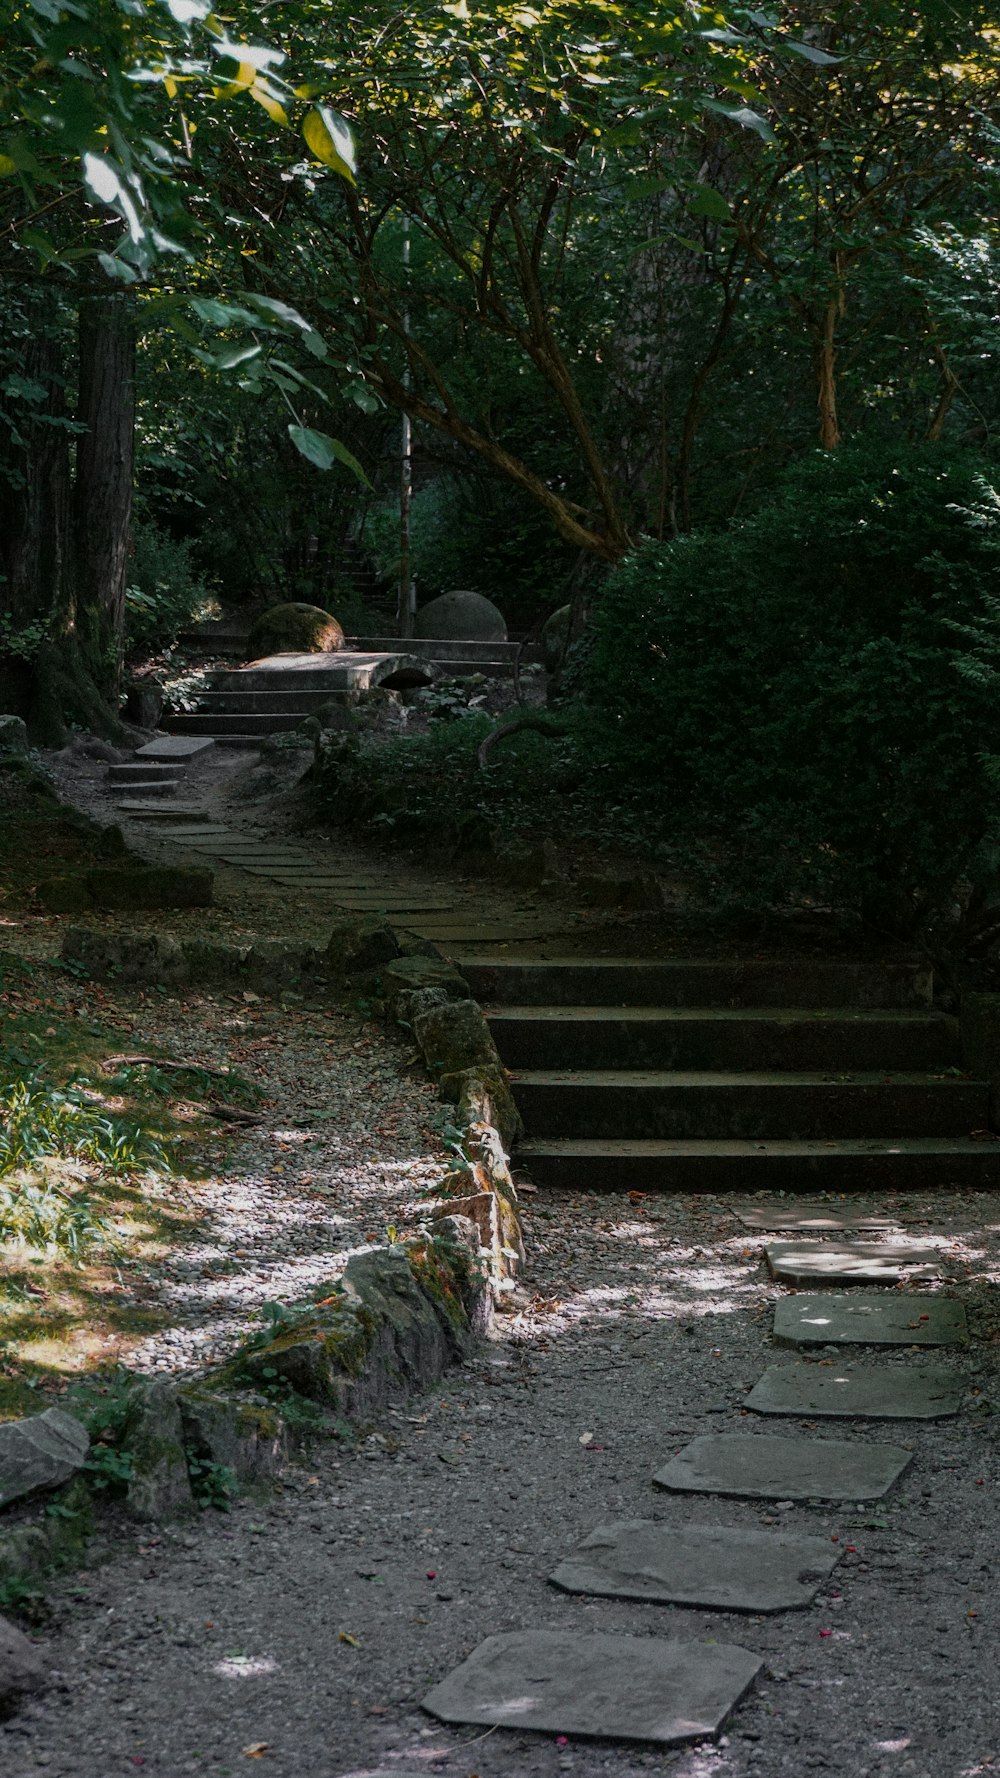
{"x": 294, "y": 629}
{"x": 461, "y": 617}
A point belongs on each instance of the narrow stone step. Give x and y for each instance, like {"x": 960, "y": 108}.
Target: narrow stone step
{"x": 853, "y": 1262}
{"x": 296, "y": 699}
{"x": 175, "y": 750}
{"x": 239, "y": 727}
{"x": 694, "y": 982}
{"x": 629, "y": 1688}
{"x": 147, "y": 786}
{"x": 714, "y": 1566}
{"x": 813, "y": 1217}
{"x": 145, "y": 771}
{"x": 843, "y": 1391}
{"x": 886, "y": 1318}
{"x": 698, "y": 1039}
{"x": 759, "y": 1468}
{"x": 140, "y": 811}
{"x": 925, "y": 1163}
{"x": 753, "y": 1106}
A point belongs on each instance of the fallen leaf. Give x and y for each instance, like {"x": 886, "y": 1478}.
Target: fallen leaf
{"x": 352, "y": 1641}
{"x": 256, "y": 1750}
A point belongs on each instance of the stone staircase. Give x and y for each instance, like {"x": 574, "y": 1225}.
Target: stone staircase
{"x": 704, "y": 1076}
{"x": 156, "y": 770}
{"x": 274, "y": 695}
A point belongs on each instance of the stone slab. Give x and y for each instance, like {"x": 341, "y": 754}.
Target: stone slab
{"x": 155, "y": 811}
{"x": 888, "y": 1392}
{"x": 175, "y": 747}
{"x": 627, "y": 1688}
{"x": 40, "y": 1452}
{"x": 707, "y": 1565}
{"x": 811, "y": 1218}
{"x": 885, "y": 1320}
{"x": 847, "y": 1262}
{"x": 758, "y": 1468}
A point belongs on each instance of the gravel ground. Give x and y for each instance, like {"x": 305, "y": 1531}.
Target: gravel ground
{"x": 345, "y": 1147}
{"x": 304, "y": 1632}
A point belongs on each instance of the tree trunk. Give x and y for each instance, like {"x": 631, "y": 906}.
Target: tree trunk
{"x": 102, "y": 498}
{"x": 826, "y": 376}
{"x": 63, "y": 547}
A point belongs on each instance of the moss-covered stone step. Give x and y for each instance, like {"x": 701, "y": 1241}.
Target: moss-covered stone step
{"x": 575, "y": 1164}
{"x": 697, "y": 982}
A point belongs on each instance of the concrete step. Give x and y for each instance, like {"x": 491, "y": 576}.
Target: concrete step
{"x": 171, "y": 812}
{"x": 268, "y": 703}
{"x": 144, "y": 771}
{"x": 562, "y": 981}
{"x": 170, "y": 750}
{"x": 235, "y": 729}
{"x": 751, "y": 1107}
{"x": 146, "y": 786}
{"x": 663, "y": 1037}
{"x": 840, "y": 1166}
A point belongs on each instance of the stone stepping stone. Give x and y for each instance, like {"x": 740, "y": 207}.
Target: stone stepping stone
{"x": 886, "y": 1320}
{"x": 708, "y": 1565}
{"x": 629, "y": 1688}
{"x": 812, "y": 1218}
{"x": 847, "y": 1262}
{"x": 893, "y": 1392}
{"x": 783, "y": 1468}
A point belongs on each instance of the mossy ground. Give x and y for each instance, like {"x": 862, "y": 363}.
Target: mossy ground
{"x": 60, "y": 1318}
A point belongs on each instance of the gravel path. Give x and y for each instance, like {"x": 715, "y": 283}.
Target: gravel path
{"x": 304, "y": 1632}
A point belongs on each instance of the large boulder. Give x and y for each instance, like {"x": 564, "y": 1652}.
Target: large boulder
{"x": 22, "y": 1670}
{"x": 555, "y": 637}
{"x": 294, "y": 629}
{"x": 461, "y": 617}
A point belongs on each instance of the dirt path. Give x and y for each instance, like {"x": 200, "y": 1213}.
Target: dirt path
{"x": 304, "y": 1632}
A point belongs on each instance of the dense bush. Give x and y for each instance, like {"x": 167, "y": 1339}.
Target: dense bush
{"x": 808, "y": 702}
{"x": 165, "y": 590}
{"x": 428, "y": 788}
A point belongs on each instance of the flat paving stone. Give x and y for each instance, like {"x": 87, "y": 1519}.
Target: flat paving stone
{"x": 708, "y": 1565}
{"x": 629, "y": 1688}
{"x": 890, "y": 1392}
{"x": 844, "y": 1262}
{"x": 885, "y": 1320}
{"x": 175, "y": 747}
{"x": 810, "y": 1218}
{"x": 758, "y": 1468}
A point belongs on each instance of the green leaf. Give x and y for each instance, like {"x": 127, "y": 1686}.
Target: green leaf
{"x": 324, "y": 451}
{"x": 230, "y": 358}
{"x": 7, "y": 166}
{"x": 742, "y": 114}
{"x": 331, "y": 141}
{"x": 819, "y": 56}
{"x": 706, "y": 201}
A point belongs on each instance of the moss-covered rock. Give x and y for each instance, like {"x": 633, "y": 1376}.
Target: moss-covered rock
{"x": 454, "y": 1036}
{"x": 152, "y": 886}
{"x": 400, "y": 1317}
{"x": 159, "y": 1486}
{"x": 294, "y": 629}
{"x": 357, "y": 946}
{"x": 238, "y": 1434}
{"x": 151, "y": 957}
{"x": 483, "y": 1096}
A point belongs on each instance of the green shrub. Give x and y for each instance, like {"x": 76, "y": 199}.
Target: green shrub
{"x": 165, "y": 590}
{"x": 806, "y": 704}
{"x": 429, "y": 787}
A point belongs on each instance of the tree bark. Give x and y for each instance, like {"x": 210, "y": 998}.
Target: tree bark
{"x": 826, "y": 375}
{"x": 102, "y": 495}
